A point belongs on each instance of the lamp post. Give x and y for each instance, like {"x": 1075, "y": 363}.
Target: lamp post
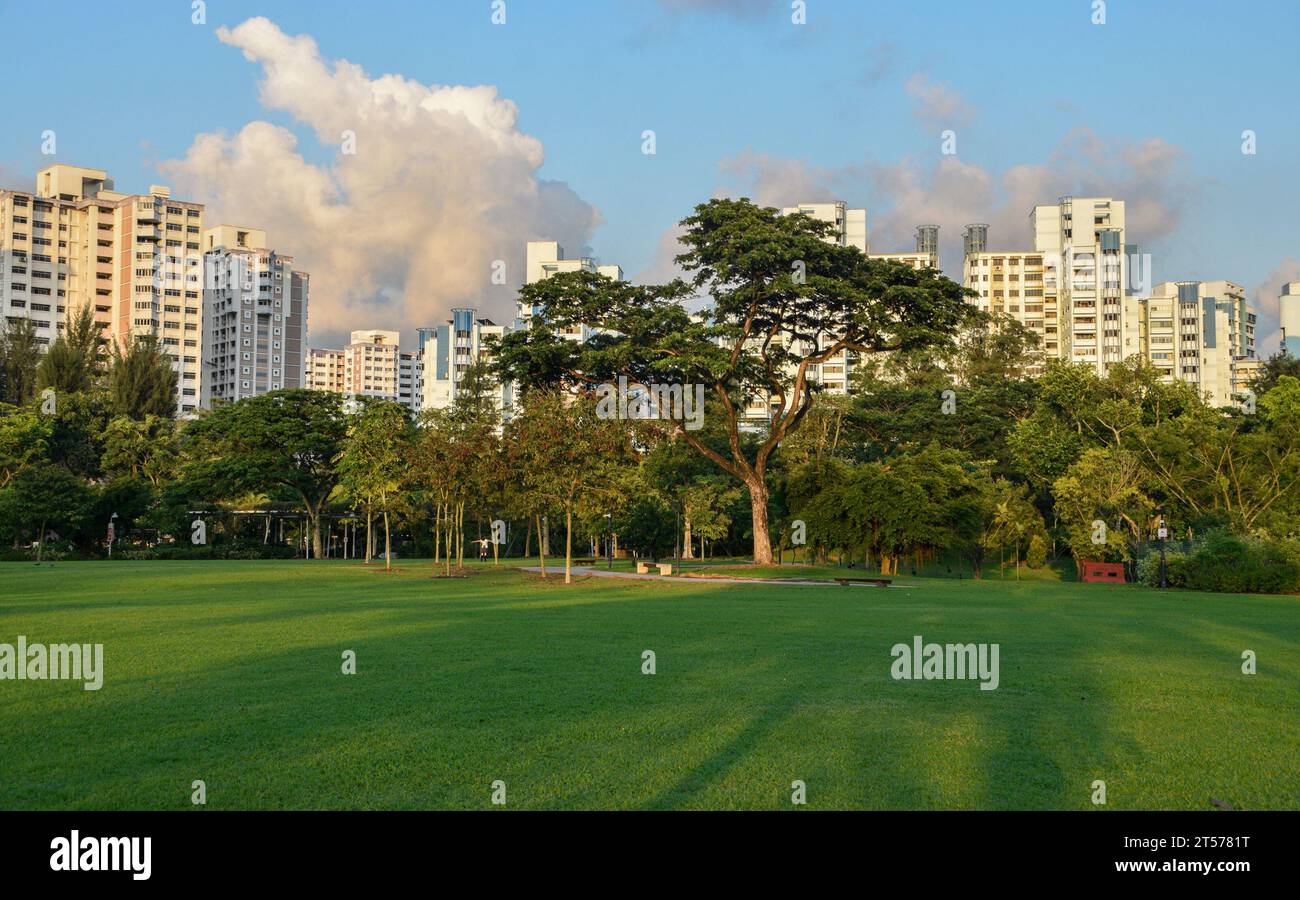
{"x": 609, "y": 541}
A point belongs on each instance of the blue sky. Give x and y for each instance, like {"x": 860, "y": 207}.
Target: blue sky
{"x": 1149, "y": 106}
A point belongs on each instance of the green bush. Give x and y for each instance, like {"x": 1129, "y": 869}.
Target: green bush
{"x": 1227, "y": 563}
{"x": 1036, "y": 557}
{"x": 208, "y": 551}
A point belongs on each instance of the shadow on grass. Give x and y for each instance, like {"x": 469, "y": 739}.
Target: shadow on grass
{"x": 462, "y": 683}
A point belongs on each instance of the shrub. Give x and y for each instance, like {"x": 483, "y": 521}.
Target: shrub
{"x": 1036, "y": 556}
{"x": 1228, "y": 563}
{"x": 208, "y": 551}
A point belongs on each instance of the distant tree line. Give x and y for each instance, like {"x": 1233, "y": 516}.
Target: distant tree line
{"x": 948, "y": 454}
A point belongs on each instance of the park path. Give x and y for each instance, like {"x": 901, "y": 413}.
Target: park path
{"x": 605, "y": 573}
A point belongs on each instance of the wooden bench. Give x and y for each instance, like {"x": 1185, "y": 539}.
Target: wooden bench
{"x": 665, "y": 568}
{"x": 584, "y": 561}
{"x": 879, "y": 582}
{"x": 642, "y": 568}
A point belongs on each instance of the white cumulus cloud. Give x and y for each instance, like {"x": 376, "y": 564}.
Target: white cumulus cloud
{"x": 442, "y": 183}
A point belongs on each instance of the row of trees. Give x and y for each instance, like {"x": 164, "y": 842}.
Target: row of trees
{"x": 85, "y": 429}
{"x": 947, "y": 448}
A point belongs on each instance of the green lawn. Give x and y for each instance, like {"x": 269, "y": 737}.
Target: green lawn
{"x": 230, "y": 672}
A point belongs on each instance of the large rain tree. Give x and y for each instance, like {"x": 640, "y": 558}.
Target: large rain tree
{"x": 782, "y": 299}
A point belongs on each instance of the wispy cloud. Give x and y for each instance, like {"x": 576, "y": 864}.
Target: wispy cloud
{"x": 936, "y": 104}
{"x": 880, "y": 61}
{"x": 950, "y": 192}
{"x": 1268, "y": 330}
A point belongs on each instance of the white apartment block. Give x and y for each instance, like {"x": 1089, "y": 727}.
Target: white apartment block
{"x": 135, "y": 258}
{"x": 254, "y": 316}
{"x": 546, "y": 258}
{"x": 410, "y": 381}
{"x": 1071, "y": 289}
{"x": 371, "y": 365}
{"x": 1289, "y": 314}
{"x": 850, "y": 224}
{"x": 1082, "y": 243}
{"x": 448, "y": 350}
{"x": 1200, "y": 333}
{"x": 325, "y": 370}
{"x": 1013, "y": 283}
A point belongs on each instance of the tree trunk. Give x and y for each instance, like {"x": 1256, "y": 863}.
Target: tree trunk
{"x": 388, "y": 550}
{"x": 369, "y": 543}
{"x": 40, "y": 542}
{"x": 568, "y": 543}
{"x": 314, "y": 517}
{"x": 460, "y": 532}
{"x": 758, "y": 505}
{"x": 541, "y": 547}
{"x": 686, "y": 541}
{"x": 437, "y": 534}
{"x": 447, "y": 525}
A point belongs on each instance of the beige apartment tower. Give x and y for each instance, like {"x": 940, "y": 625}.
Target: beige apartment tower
{"x": 134, "y": 258}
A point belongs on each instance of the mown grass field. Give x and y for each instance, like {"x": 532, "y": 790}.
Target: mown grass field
{"x": 230, "y": 672}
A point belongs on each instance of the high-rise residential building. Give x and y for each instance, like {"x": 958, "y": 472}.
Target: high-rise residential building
{"x": 135, "y": 258}
{"x": 326, "y": 370}
{"x": 546, "y": 258}
{"x": 1016, "y": 283}
{"x": 1201, "y": 333}
{"x": 1082, "y": 243}
{"x": 448, "y": 352}
{"x": 1070, "y": 289}
{"x": 254, "y": 316}
{"x": 1289, "y": 315}
{"x": 371, "y": 365}
{"x": 850, "y": 224}
{"x": 409, "y": 380}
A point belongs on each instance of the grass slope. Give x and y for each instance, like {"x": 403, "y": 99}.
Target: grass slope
{"x": 230, "y": 672}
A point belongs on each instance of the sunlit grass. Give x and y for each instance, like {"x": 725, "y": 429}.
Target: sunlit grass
{"x": 229, "y": 672}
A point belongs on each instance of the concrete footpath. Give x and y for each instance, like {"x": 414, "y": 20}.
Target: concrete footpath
{"x": 605, "y": 573}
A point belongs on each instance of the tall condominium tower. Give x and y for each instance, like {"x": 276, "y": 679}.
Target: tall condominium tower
{"x": 134, "y": 258}
{"x": 371, "y": 365}
{"x": 546, "y": 258}
{"x": 254, "y": 316}
{"x": 450, "y": 349}
{"x": 1289, "y": 313}
{"x": 1082, "y": 242}
{"x": 850, "y": 224}
{"x": 1016, "y": 283}
{"x": 1199, "y": 332}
